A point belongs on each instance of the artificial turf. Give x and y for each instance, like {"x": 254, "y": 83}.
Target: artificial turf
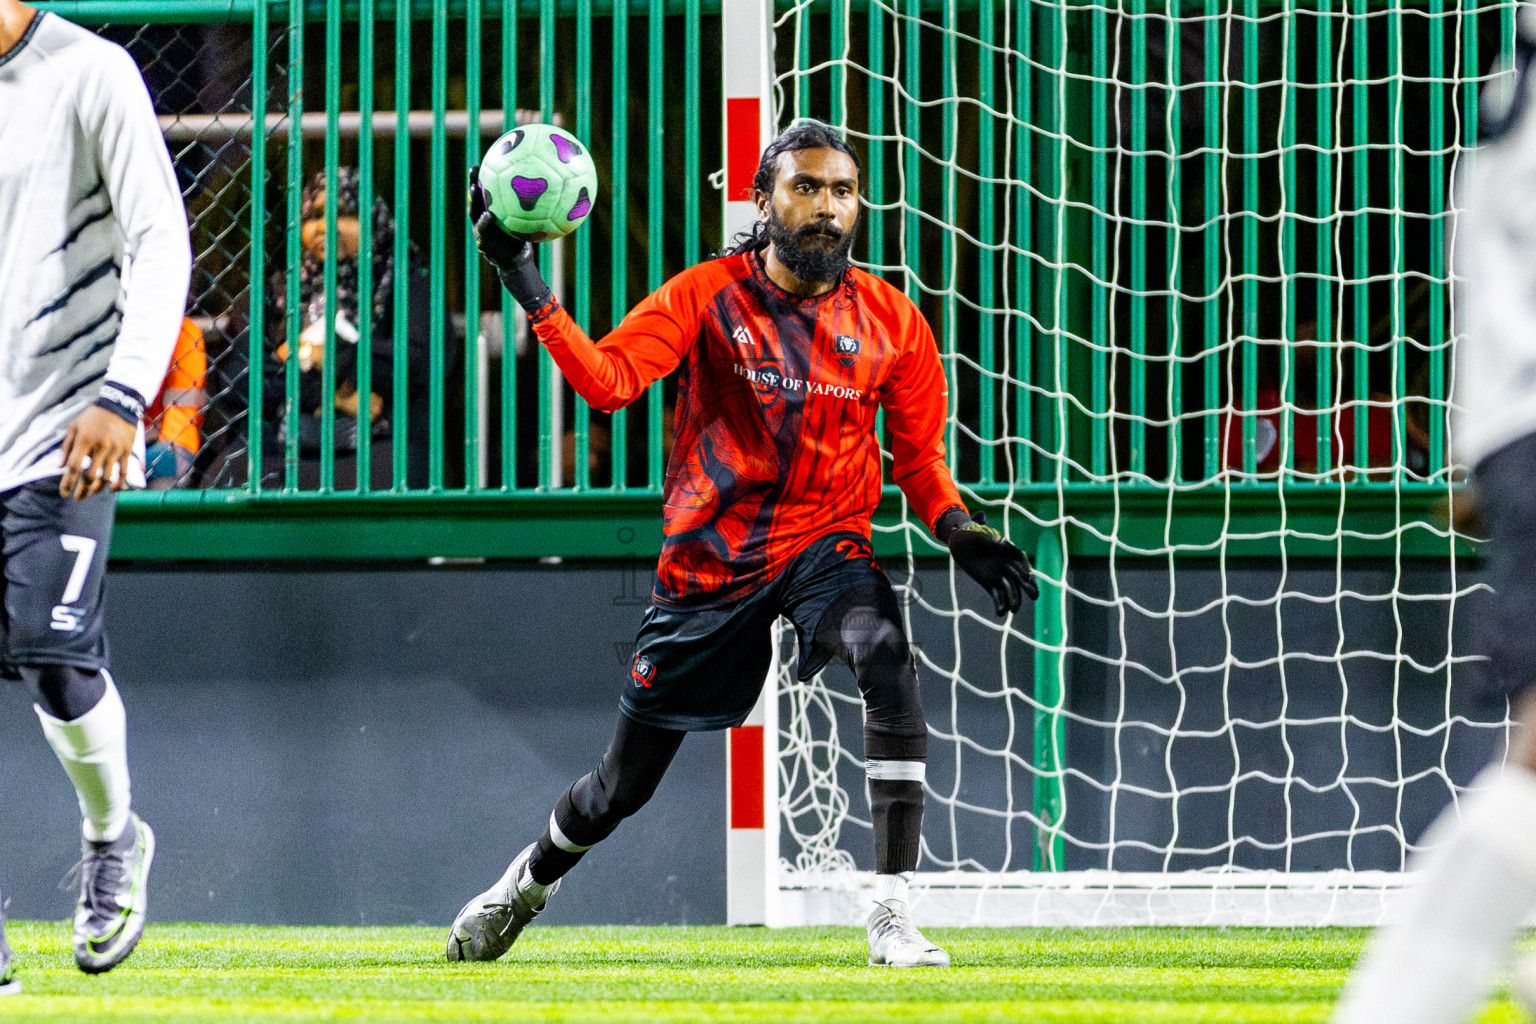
{"x": 203, "y": 972}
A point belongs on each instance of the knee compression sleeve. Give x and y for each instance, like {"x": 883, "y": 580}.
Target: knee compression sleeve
{"x": 620, "y": 785}
{"x": 65, "y": 692}
{"x": 865, "y": 629}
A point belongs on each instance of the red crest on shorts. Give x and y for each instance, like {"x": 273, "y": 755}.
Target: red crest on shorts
{"x": 853, "y": 550}
{"x": 642, "y": 671}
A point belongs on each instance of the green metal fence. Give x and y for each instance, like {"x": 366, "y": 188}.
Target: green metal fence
{"x": 1139, "y": 228}
{"x": 476, "y": 422}
{"x": 1128, "y": 219}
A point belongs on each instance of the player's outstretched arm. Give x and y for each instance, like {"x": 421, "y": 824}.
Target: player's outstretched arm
{"x": 988, "y": 558}
{"x": 609, "y": 374}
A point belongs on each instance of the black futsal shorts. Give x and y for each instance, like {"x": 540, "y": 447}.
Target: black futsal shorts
{"x": 54, "y": 565}
{"x": 1506, "y": 497}
{"x": 703, "y": 669}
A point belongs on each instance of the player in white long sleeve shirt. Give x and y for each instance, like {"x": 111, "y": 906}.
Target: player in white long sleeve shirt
{"x": 1476, "y": 881}
{"x": 94, "y": 263}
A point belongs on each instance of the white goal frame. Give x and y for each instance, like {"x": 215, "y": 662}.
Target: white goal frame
{"x": 765, "y": 889}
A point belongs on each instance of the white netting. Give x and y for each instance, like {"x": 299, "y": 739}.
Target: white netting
{"x": 1186, "y": 263}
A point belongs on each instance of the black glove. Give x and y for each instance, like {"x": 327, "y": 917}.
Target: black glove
{"x": 512, "y": 257}
{"x": 988, "y": 559}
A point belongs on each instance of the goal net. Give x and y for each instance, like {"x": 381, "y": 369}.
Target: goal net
{"x": 1186, "y": 261}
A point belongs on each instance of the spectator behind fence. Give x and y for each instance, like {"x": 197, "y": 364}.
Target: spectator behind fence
{"x": 173, "y": 424}
{"x": 350, "y": 309}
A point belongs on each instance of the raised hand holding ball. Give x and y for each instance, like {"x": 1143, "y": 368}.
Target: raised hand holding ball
{"x": 539, "y": 182}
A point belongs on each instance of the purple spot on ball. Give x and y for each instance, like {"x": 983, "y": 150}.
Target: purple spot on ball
{"x": 512, "y": 142}
{"x": 566, "y": 149}
{"x": 582, "y": 208}
{"x": 528, "y": 191}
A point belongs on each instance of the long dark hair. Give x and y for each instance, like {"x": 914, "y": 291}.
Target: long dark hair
{"x": 805, "y": 133}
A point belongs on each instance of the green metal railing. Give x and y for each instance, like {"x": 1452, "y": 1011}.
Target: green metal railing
{"x": 1129, "y": 228}
{"x": 473, "y": 445}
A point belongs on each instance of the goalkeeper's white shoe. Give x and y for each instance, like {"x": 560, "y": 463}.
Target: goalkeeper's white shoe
{"x": 1525, "y": 983}
{"x": 492, "y": 921}
{"x": 894, "y": 940}
{"x": 114, "y": 877}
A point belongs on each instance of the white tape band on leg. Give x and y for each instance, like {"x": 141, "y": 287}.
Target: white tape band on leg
{"x": 896, "y": 771}
{"x": 560, "y": 839}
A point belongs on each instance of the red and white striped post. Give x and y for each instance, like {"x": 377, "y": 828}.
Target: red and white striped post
{"x": 752, "y": 763}
{"x": 751, "y": 811}
{"x": 746, "y": 51}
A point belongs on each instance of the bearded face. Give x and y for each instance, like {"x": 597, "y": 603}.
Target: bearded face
{"x": 811, "y": 216}
{"x": 817, "y": 252}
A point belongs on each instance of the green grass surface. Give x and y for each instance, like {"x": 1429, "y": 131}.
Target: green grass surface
{"x": 196, "y": 972}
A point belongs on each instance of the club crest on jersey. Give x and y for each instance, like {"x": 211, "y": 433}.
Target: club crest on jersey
{"x": 847, "y": 348}
{"x": 643, "y": 670}
{"x": 741, "y": 336}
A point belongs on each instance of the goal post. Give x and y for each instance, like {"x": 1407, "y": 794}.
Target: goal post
{"x": 746, "y": 71}
{"x": 1187, "y": 266}
{"x": 752, "y": 772}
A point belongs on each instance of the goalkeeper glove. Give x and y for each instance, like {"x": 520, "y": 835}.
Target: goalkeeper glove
{"x": 512, "y": 257}
{"x": 988, "y": 558}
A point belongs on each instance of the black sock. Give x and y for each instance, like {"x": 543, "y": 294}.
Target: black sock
{"x": 898, "y": 814}
{"x": 896, "y": 805}
{"x": 590, "y": 810}
{"x": 549, "y": 863}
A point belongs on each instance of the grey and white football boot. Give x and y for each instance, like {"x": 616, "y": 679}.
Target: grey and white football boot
{"x": 1524, "y": 986}
{"x": 9, "y": 986}
{"x": 492, "y": 921}
{"x": 894, "y": 940}
{"x": 114, "y": 879}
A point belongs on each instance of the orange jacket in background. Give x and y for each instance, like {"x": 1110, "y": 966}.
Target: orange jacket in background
{"x": 179, "y": 406}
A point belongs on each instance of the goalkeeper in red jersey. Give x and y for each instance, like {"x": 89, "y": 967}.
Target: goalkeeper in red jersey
{"x": 785, "y": 353}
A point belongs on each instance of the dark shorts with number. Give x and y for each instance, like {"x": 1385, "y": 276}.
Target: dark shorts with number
{"x": 1506, "y": 497}
{"x": 54, "y": 565}
{"x": 703, "y": 669}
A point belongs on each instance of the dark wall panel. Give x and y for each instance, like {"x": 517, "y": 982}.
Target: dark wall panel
{"x": 373, "y": 745}
{"x": 367, "y": 747}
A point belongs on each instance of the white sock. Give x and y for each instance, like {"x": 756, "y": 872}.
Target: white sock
{"x": 94, "y": 752}
{"x": 1438, "y": 960}
{"x": 893, "y": 887}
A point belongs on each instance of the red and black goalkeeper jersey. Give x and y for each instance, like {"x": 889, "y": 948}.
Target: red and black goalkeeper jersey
{"x": 775, "y": 432}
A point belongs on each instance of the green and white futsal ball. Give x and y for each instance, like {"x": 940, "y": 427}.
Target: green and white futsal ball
{"x": 539, "y": 182}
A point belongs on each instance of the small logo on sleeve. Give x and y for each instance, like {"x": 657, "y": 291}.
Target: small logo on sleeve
{"x": 642, "y": 671}
{"x": 742, "y": 337}
{"x": 847, "y": 348}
